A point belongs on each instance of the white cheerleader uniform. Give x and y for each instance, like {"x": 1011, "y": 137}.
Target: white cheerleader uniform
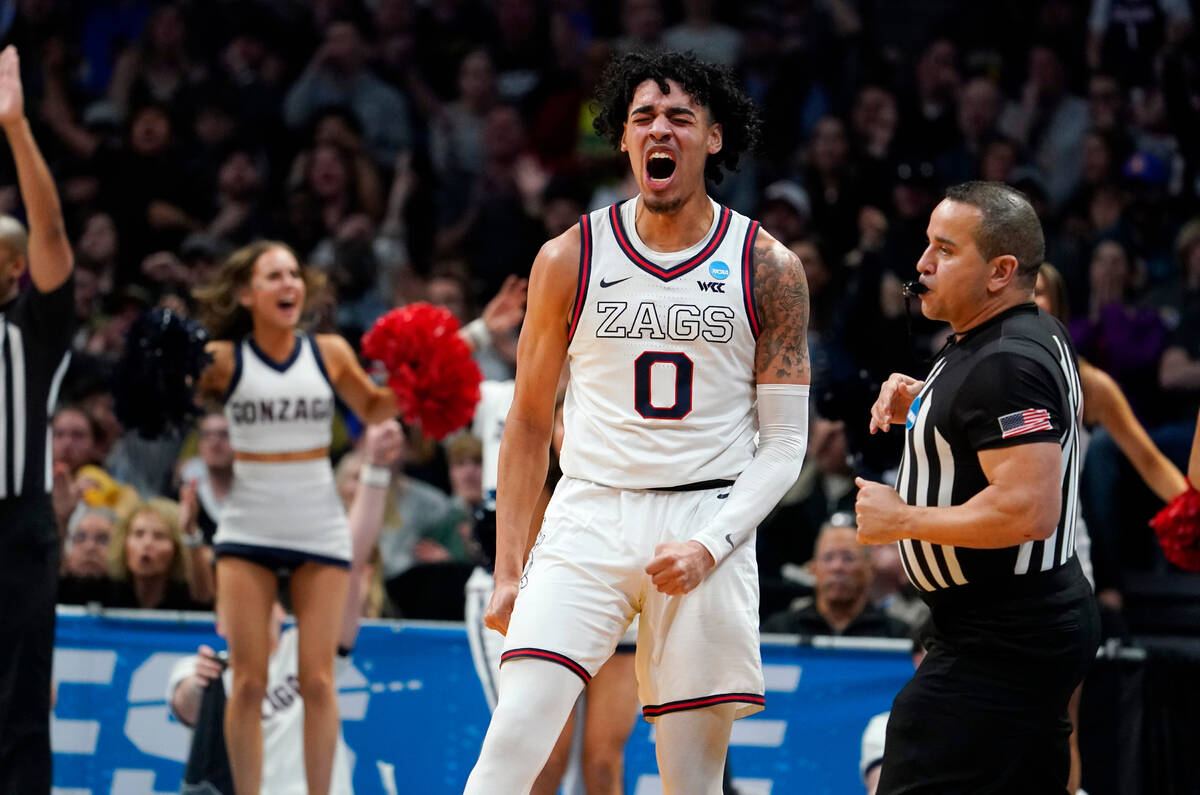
{"x": 282, "y": 514}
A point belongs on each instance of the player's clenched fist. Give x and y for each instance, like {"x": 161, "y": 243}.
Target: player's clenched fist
{"x": 678, "y": 567}
{"x": 499, "y": 609}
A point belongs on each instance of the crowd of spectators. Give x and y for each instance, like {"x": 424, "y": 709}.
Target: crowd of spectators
{"x": 425, "y": 149}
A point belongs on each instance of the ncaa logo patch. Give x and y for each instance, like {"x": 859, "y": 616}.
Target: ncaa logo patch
{"x": 718, "y": 270}
{"x": 911, "y": 419}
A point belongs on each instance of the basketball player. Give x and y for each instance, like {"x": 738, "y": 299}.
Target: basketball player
{"x": 684, "y": 326}
{"x": 284, "y": 511}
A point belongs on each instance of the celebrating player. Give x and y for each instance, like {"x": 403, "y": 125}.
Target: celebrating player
{"x": 676, "y": 314}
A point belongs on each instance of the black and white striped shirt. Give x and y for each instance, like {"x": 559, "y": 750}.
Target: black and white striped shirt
{"x": 35, "y": 337}
{"x": 1011, "y": 380}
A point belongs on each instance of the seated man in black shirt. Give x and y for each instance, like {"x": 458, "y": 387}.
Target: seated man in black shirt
{"x": 842, "y": 568}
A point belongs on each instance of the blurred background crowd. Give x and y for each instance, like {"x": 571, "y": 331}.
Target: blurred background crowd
{"x": 424, "y": 149}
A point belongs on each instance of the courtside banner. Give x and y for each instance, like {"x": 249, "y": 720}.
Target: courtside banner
{"x": 414, "y": 714}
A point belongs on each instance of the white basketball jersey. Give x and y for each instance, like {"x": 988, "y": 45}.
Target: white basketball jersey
{"x": 661, "y": 355}
{"x": 275, "y": 407}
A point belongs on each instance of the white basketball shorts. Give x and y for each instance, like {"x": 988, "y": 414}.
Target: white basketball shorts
{"x": 487, "y": 644}
{"x": 585, "y": 581}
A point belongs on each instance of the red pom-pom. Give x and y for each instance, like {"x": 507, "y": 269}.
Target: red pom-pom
{"x": 1178, "y": 529}
{"x": 429, "y": 366}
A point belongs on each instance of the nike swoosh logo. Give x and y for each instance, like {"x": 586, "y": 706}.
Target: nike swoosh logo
{"x": 610, "y": 284}
{"x": 723, "y": 496}
{"x": 729, "y": 538}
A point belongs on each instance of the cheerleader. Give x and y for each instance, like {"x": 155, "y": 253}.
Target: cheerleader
{"x": 283, "y": 514}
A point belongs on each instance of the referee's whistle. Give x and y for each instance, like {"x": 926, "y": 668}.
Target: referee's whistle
{"x": 913, "y": 288}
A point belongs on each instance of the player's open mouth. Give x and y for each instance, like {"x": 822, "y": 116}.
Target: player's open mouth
{"x": 660, "y": 167}
{"x": 287, "y": 305}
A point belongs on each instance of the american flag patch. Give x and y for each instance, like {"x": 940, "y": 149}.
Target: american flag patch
{"x": 1022, "y": 422}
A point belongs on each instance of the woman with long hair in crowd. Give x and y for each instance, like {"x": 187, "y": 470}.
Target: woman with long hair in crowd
{"x": 148, "y": 561}
{"x": 284, "y": 512}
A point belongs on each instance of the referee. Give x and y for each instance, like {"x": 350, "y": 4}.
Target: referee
{"x": 984, "y": 512}
{"x": 35, "y": 333}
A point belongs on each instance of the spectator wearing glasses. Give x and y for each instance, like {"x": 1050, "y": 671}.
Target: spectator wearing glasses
{"x": 841, "y": 569}
{"x": 85, "y": 556}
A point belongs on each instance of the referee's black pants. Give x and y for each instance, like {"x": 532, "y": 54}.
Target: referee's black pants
{"x": 986, "y": 711}
{"x": 28, "y": 584}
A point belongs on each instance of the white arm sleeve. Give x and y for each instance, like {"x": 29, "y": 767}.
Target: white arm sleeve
{"x": 782, "y": 438}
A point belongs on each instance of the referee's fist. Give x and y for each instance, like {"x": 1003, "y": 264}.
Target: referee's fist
{"x": 877, "y": 510}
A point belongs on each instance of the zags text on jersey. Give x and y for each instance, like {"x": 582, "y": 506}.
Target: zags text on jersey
{"x": 680, "y": 322}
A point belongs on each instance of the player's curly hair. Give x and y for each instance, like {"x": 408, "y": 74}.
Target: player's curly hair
{"x": 715, "y": 87}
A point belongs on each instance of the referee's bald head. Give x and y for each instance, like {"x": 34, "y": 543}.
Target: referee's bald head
{"x": 13, "y": 235}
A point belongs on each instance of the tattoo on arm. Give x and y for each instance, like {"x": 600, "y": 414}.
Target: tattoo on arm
{"x": 781, "y": 295}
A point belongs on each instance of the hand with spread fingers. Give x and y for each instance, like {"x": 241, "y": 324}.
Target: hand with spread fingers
{"x": 506, "y": 310}
{"x": 12, "y": 96}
